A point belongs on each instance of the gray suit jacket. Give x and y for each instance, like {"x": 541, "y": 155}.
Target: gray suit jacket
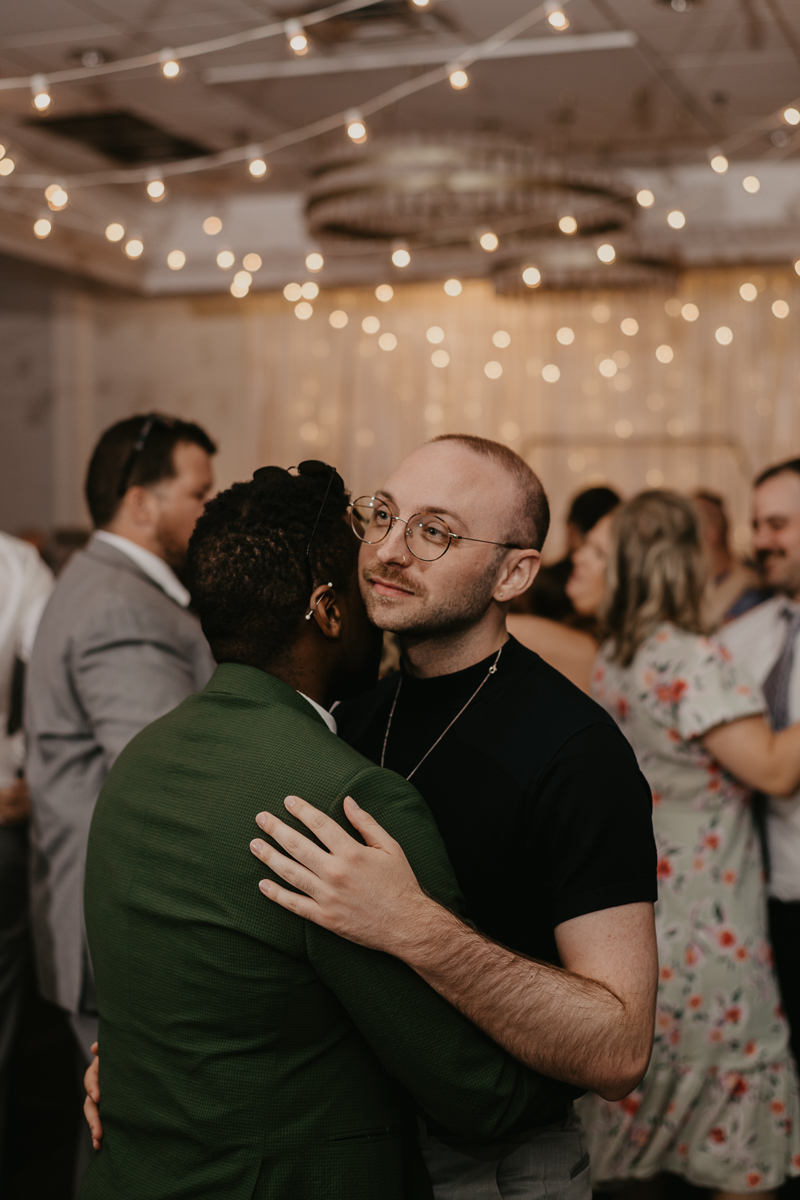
{"x": 113, "y": 653}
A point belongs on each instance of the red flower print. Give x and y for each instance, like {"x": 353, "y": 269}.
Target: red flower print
{"x": 715, "y": 1036}
{"x": 750, "y": 1048}
{"x": 695, "y": 1002}
{"x": 777, "y": 1107}
{"x": 664, "y": 868}
{"x": 670, "y": 693}
{"x": 713, "y": 785}
{"x": 717, "y": 1135}
{"x": 741, "y": 953}
{"x": 699, "y": 864}
{"x": 623, "y": 708}
{"x": 663, "y": 1021}
{"x": 675, "y": 1037}
{"x": 673, "y": 735}
{"x": 666, "y": 973}
{"x": 739, "y": 1086}
{"x": 671, "y": 1108}
{"x": 656, "y": 798}
{"x": 743, "y": 690}
{"x": 630, "y": 1105}
{"x": 754, "y": 1178}
{"x": 733, "y": 1014}
{"x": 729, "y": 877}
{"x": 682, "y": 1149}
{"x": 726, "y": 938}
{"x": 796, "y": 1160}
{"x": 779, "y": 1013}
{"x": 711, "y": 841}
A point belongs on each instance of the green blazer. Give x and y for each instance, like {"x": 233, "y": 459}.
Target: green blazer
{"x": 246, "y": 1052}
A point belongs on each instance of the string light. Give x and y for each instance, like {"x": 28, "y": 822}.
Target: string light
{"x": 489, "y": 241}
{"x": 56, "y": 197}
{"x": 226, "y": 259}
{"x": 796, "y": 265}
{"x": 749, "y": 292}
{"x": 565, "y": 336}
{"x": 718, "y": 162}
{"x": 453, "y": 287}
{"x": 401, "y": 257}
{"x": 384, "y": 292}
{"x": 665, "y": 354}
{"x": 239, "y": 290}
{"x": 751, "y": 184}
{"x": 356, "y": 129}
{"x": 676, "y": 219}
{"x": 296, "y": 37}
{"x": 303, "y": 310}
{"x": 568, "y": 225}
{"x": 550, "y": 373}
{"x": 532, "y": 277}
{"x": 724, "y": 335}
{"x": 134, "y": 248}
{"x": 243, "y": 279}
{"x": 630, "y": 326}
{"x": 387, "y": 341}
{"x": 252, "y": 262}
{"x": 420, "y": 3}
{"x": 645, "y": 198}
{"x": 459, "y": 79}
{"x": 176, "y": 260}
{"x": 690, "y": 312}
{"x": 314, "y": 261}
{"x": 435, "y": 334}
{"x": 338, "y": 319}
{"x": 42, "y": 227}
{"x": 309, "y": 291}
{"x": 6, "y": 166}
{"x": 257, "y": 168}
{"x": 156, "y": 190}
{"x": 502, "y": 339}
{"x": 370, "y": 324}
{"x": 440, "y": 358}
{"x": 780, "y": 309}
{"x": 556, "y": 16}
{"x": 293, "y": 292}
{"x": 170, "y": 67}
{"x": 115, "y": 232}
{"x": 606, "y": 253}
{"x": 40, "y": 96}
{"x": 212, "y": 225}
{"x": 791, "y": 116}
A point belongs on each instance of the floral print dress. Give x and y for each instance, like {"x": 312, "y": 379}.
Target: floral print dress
{"x": 719, "y": 1103}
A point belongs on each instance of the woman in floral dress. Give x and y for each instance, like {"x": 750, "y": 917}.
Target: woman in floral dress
{"x": 719, "y": 1103}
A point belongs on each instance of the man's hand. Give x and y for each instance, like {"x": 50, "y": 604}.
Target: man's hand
{"x": 91, "y": 1105}
{"x": 365, "y": 893}
{"x": 15, "y": 803}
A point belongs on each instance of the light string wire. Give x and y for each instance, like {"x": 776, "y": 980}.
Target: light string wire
{"x": 210, "y": 162}
{"x": 154, "y": 59}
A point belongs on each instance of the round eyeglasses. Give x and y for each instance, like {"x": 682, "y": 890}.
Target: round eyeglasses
{"x": 427, "y": 536}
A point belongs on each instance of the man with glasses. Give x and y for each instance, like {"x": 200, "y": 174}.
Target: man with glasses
{"x": 116, "y": 648}
{"x": 535, "y": 792}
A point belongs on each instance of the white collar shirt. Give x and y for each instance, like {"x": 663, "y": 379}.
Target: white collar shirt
{"x": 756, "y": 640}
{"x": 326, "y": 716}
{"x": 25, "y": 587}
{"x": 153, "y": 566}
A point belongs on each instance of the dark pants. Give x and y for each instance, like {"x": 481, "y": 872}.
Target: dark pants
{"x": 784, "y": 932}
{"x": 13, "y": 946}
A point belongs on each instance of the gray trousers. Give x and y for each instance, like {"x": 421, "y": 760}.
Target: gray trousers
{"x": 553, "y": 1162}
{"x": 13, "y": 946}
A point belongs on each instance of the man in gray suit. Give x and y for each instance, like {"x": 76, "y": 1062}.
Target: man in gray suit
{"x": 116, "y": 648}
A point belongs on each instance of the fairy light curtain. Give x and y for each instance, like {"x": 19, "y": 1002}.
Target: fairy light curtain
{"x": 629, "y": 387}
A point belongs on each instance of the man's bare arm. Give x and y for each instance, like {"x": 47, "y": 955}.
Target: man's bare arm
{"x": 590, "y": 1025}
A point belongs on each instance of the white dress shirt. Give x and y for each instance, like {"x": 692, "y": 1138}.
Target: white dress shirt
{"x": 756, "y": 639}
{"x": 158, "y": 570}
{"x": 326, "y": 716}
{"x": 25, "y": 587}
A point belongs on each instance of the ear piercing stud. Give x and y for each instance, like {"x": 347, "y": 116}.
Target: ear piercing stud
{"x": 310, "y": 612}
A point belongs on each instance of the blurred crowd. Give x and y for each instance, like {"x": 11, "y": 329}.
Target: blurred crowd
{"x": 650, "y": 611}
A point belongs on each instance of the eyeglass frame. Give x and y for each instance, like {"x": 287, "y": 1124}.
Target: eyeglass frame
{"x": 451, "y": 537}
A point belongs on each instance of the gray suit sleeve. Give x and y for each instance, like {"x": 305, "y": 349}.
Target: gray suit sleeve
{"x": 127, "y": 673}
{"x": 454, "y": 1071}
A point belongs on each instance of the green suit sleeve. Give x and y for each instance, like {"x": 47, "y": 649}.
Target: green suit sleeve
{"x": 454, "y": 1072}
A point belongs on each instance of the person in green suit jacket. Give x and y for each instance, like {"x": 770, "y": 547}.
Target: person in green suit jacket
{"x": 246, "y": 1052}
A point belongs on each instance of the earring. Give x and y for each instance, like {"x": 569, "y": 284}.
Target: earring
{"x": 310, "y": 612}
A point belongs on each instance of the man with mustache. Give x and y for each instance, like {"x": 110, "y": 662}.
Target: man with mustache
{"x": 765, "y": 640}
{"x": 536, "y": 794}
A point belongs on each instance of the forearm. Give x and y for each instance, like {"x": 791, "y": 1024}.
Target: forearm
{"x": 758, "y": 757}
{"x": 561, "y": 1024}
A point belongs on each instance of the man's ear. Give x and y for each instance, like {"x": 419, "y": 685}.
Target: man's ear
{"x": 324, "y": 610}
{"x": 517, "y": 575}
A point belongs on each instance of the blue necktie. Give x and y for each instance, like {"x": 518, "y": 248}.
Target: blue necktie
{"x": 776, "y": 685}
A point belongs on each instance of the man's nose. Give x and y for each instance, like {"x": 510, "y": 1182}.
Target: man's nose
{"x": 393, "y": 548}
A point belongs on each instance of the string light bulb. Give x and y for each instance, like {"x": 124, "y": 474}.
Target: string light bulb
{"x": 459, "y": 79}
{"x": 556, "y": 16}
{"x": 791, "y": 116}
{"x": 356, "y": 129}
{"x": 401, "y": 256}
{"x": 156, "y": 190}
{"x": 645, "y": 198}
{"x": 296, "y": 37}
{"x": 314, "y": 261}
{"x": 56, "y": 197}
{"x": 40, "y": 96}
{"x": 751, "y": 184}
{"x": 606, "y": 253}
{"x": 170, "y": 67}
{"x": 176, "y": 260}
{"x": 6, "y": 165}
{"x": 489, "y": 241}
{"x": 134, "y": 248}
{"x": 420, "y": 3}
{"x": 42, "y": 227}
{"x": 568, "y": 225}
{"x": 115, "y": 232}
{"x": 257, "y": 168}
{"x": 676, "y": 219}
{"x": 717, "y": 161}
{"x": 532, "y": 277}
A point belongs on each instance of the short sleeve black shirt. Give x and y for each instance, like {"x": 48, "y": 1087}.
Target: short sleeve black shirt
{"x": 537, "y": 794}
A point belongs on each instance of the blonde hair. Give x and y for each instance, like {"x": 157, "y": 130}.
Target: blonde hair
{"x": 656, "y": 570}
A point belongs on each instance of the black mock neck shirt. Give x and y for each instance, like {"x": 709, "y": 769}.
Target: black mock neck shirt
{"x": 536, "y": 792}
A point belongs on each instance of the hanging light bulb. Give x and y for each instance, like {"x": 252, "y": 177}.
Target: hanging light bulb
{"x": 6, "y": 165}
{"x": 134, "y": 248}
{"x": 315, "y": 261}
{"x": 717, "y": 161}
{"x": 296, "y": 36}
{"x": 156, "y": 190}
{"x": 170, "y": 66}
{"x": 459, "y": 79}
{"x": 56, "y": 197}
{"x": 791, "y": 116}
{"x": 257, "y": 168}
{"x": 606, "y": 253}
{"x": 489, "y": 241}
{"x": 354, "y": 123}
{"x": 40, "y": 96}
{"x": 568, "y": 225}
{"x": 420, "y": 3}
{"x": 556, "y": 16}
{"x": 42, "y": 227}
{"x": 645, "y": 198}
{"x": 531, "y": 277}
{"x": 401, "y": 256}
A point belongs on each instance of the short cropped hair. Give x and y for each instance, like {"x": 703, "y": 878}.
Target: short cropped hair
{"x": 533, "y": 518}
{"x": 791, "y": 464}
{"x": 247, "y": 566}
{"x": 590, "y": 506}
{"x": 155, "y": 462}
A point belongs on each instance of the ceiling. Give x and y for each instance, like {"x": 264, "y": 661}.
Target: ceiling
{"x": 646, "y": 99}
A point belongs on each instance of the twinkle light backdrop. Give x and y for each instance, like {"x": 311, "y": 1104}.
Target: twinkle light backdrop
{"x": 696, "y": 387}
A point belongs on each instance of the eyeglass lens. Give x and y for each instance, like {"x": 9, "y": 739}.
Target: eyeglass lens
{"x": 427, "y": 536}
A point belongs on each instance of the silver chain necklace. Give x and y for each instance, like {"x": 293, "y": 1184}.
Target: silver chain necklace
{"x": 491, "y": 671}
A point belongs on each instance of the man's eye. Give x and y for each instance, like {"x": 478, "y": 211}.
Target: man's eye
{"x": 382, "y": 515}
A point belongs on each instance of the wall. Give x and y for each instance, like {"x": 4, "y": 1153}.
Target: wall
{"x": 272, "y": 388}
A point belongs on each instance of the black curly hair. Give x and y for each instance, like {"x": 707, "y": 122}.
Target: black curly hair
{"x": 248, "y": 569}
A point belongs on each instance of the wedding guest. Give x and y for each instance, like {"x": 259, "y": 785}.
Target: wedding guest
{"x": 719, "y": 1103}
{"x": 733, "y": 587}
